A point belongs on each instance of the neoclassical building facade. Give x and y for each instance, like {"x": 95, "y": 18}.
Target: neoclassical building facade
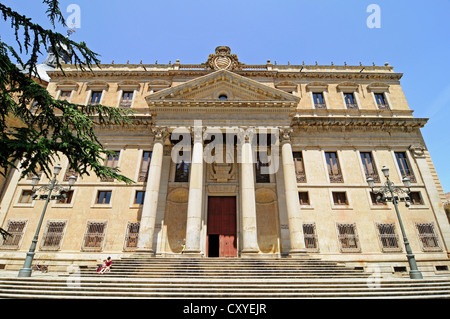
{"x": 240, "y": 161}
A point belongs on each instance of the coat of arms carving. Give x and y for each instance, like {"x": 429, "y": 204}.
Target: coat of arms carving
{"x": 223, "y": 60}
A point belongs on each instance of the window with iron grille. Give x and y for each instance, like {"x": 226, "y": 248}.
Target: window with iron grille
{"x": 388, "y": 237}
{"x": 145, "y": 165}
{"x": 428, "y": 237}
{"x": 94, "y": 236}
{"x": 111, "y": 161}
{"x": 309, "y": 232}
{"x": 127, "y": 99}
{"x": 303, "y": 198}
{"x": 299, "y": 167}
{"x": 17, "y": 229}
{"x": 377, "y": 199}
{"x": 132, "y": 235}
{"x": 369, "y": 166}
{"x": 404, "y": 166}
{"x": 334, "y": 169}
{"x": 348, "y": 238}
{"x": 53, "y": 235}
{"x": 259, "y": 176}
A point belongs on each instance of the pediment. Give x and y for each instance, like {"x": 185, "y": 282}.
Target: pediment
{"x": 225, "y": 87}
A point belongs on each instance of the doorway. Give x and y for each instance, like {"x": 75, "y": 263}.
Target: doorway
{"x": 222, "y": 241}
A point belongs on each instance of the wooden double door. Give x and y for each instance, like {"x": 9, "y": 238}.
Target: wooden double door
{"x": 221, "y": 241}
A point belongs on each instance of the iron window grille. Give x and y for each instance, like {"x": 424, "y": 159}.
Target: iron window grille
{"x": 334, "y": 169}
{"x": 311, "y": 241}
{"x": 132, "y": 236}
{"x": 127, "y": 99}
{"x": 299, "y": 167}
{"x": 145, "y": 165}
{"x": 348, "y": 238}
{"x": 369, "y": 166}
{"x": 381, "y": 101}
{"x": 53, "y": 235}
{"x": 388, "y": 237}
{"x": 94, "y": 236}
{"x": 427, "y": 237}
{"x": 319, "y": 101}
{"x": 17, "y": 229}
{"x": 404, "y": 166}
{"x": 111, "y": 161}
{"x": 350, "y": 101}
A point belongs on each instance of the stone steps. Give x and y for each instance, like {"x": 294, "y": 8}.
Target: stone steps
{"x": 115, "y": 288}
{"x": 187, "y": 278}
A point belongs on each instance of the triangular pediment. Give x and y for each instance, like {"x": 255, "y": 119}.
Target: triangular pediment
{"x": 223, "y": 86}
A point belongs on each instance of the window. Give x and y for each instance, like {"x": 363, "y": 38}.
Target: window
{"x": 182, "y": 170}
{"x": 132, "y": 236}
{"x": 68, "y": 197}
{"x": 415, "y": 198}
{"x": 127, "y": 99}
{"x": 94, "y": 236}
{"x": 369, "y": 166}
{"x": 381, "y": 101}
{"x": 303, "y": 198}
{"x": 69, "y": 172}
{"x": 376, "y": 199}
{"x": 350, "y": 101}
{"x": 111, "y": 161}
{"x": 319, "y": 101}
{"x": 388, "y": 237}
{"x": 309, "y": 232}
{"x": 299, "y": 167}
{"x": 145, "y": 164}
{"x": 26, "y": 197}
{"x": 334, "y": 170}
{"x": 348, "y": 238}
{"x": 17, "y": 229}
{"x": 261, "y": 177}
{"x": 427, "y": 237}
{"x": 53, "y": 236}
{"x": 139, "y": 197}
{"x": 65, "y": 95}
{"x": 223, "y": 97}
{"x": 340, "y": 198}
{"x": 96, "y": 96}
{"x": 104, "y": 197}
{"x": 404, "y": 166}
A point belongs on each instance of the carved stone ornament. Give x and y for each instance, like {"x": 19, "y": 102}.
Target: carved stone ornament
{"x": 417, "y": 150}
{"x": 222, "y": 172}
{"x": 285, "y": 135}
{"x": 160, "y": 133}
{"x": 223, "y": 60}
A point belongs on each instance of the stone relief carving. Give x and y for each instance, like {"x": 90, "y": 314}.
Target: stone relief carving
{"x": 223, "y": 60}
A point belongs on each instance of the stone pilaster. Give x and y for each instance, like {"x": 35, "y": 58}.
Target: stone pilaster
{"x": 297, "y": 240}
{"x": 149, "y": 208}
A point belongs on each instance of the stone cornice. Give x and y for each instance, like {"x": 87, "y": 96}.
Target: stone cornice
{"x": 366, "y": 123}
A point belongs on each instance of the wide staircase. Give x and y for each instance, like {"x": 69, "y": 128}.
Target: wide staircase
{"x": 137, "y": 277}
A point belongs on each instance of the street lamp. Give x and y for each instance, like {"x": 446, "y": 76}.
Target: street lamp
{"x": 387, "y": 194}
{"x": 26, "y": 269}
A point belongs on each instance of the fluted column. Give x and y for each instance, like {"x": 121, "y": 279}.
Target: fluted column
{"x": 297, "y": 240}
{"x": 194, "y": 213}
{"x": 149, "y": 208}
{"x": 248, "y": 202}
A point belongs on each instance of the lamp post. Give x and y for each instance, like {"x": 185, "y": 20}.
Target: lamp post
{"x": 26, "y": 269}
{"x": 390, "y": 189}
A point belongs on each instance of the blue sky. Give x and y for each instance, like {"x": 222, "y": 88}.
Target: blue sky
{"x": 413, "y": 37}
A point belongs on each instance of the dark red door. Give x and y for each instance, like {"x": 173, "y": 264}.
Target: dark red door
{"x": 222, "y": 224}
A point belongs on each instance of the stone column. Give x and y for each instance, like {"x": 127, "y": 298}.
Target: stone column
{"x": 194, "y": 213}
{"x": 248, "y": 202}
{"x": 149, "y": 208}
{"x": 297, "y": 240}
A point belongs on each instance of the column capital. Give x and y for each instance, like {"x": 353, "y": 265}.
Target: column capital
{"x": 245, "y": 134}
{"x": 285, "y": 134}
{"x": 160, "y": 133}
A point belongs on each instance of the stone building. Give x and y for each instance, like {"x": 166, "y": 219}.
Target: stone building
{"x": 236, "y": 160}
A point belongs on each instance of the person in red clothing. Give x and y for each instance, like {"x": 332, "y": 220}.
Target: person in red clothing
{"x": 107, "y": 266}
